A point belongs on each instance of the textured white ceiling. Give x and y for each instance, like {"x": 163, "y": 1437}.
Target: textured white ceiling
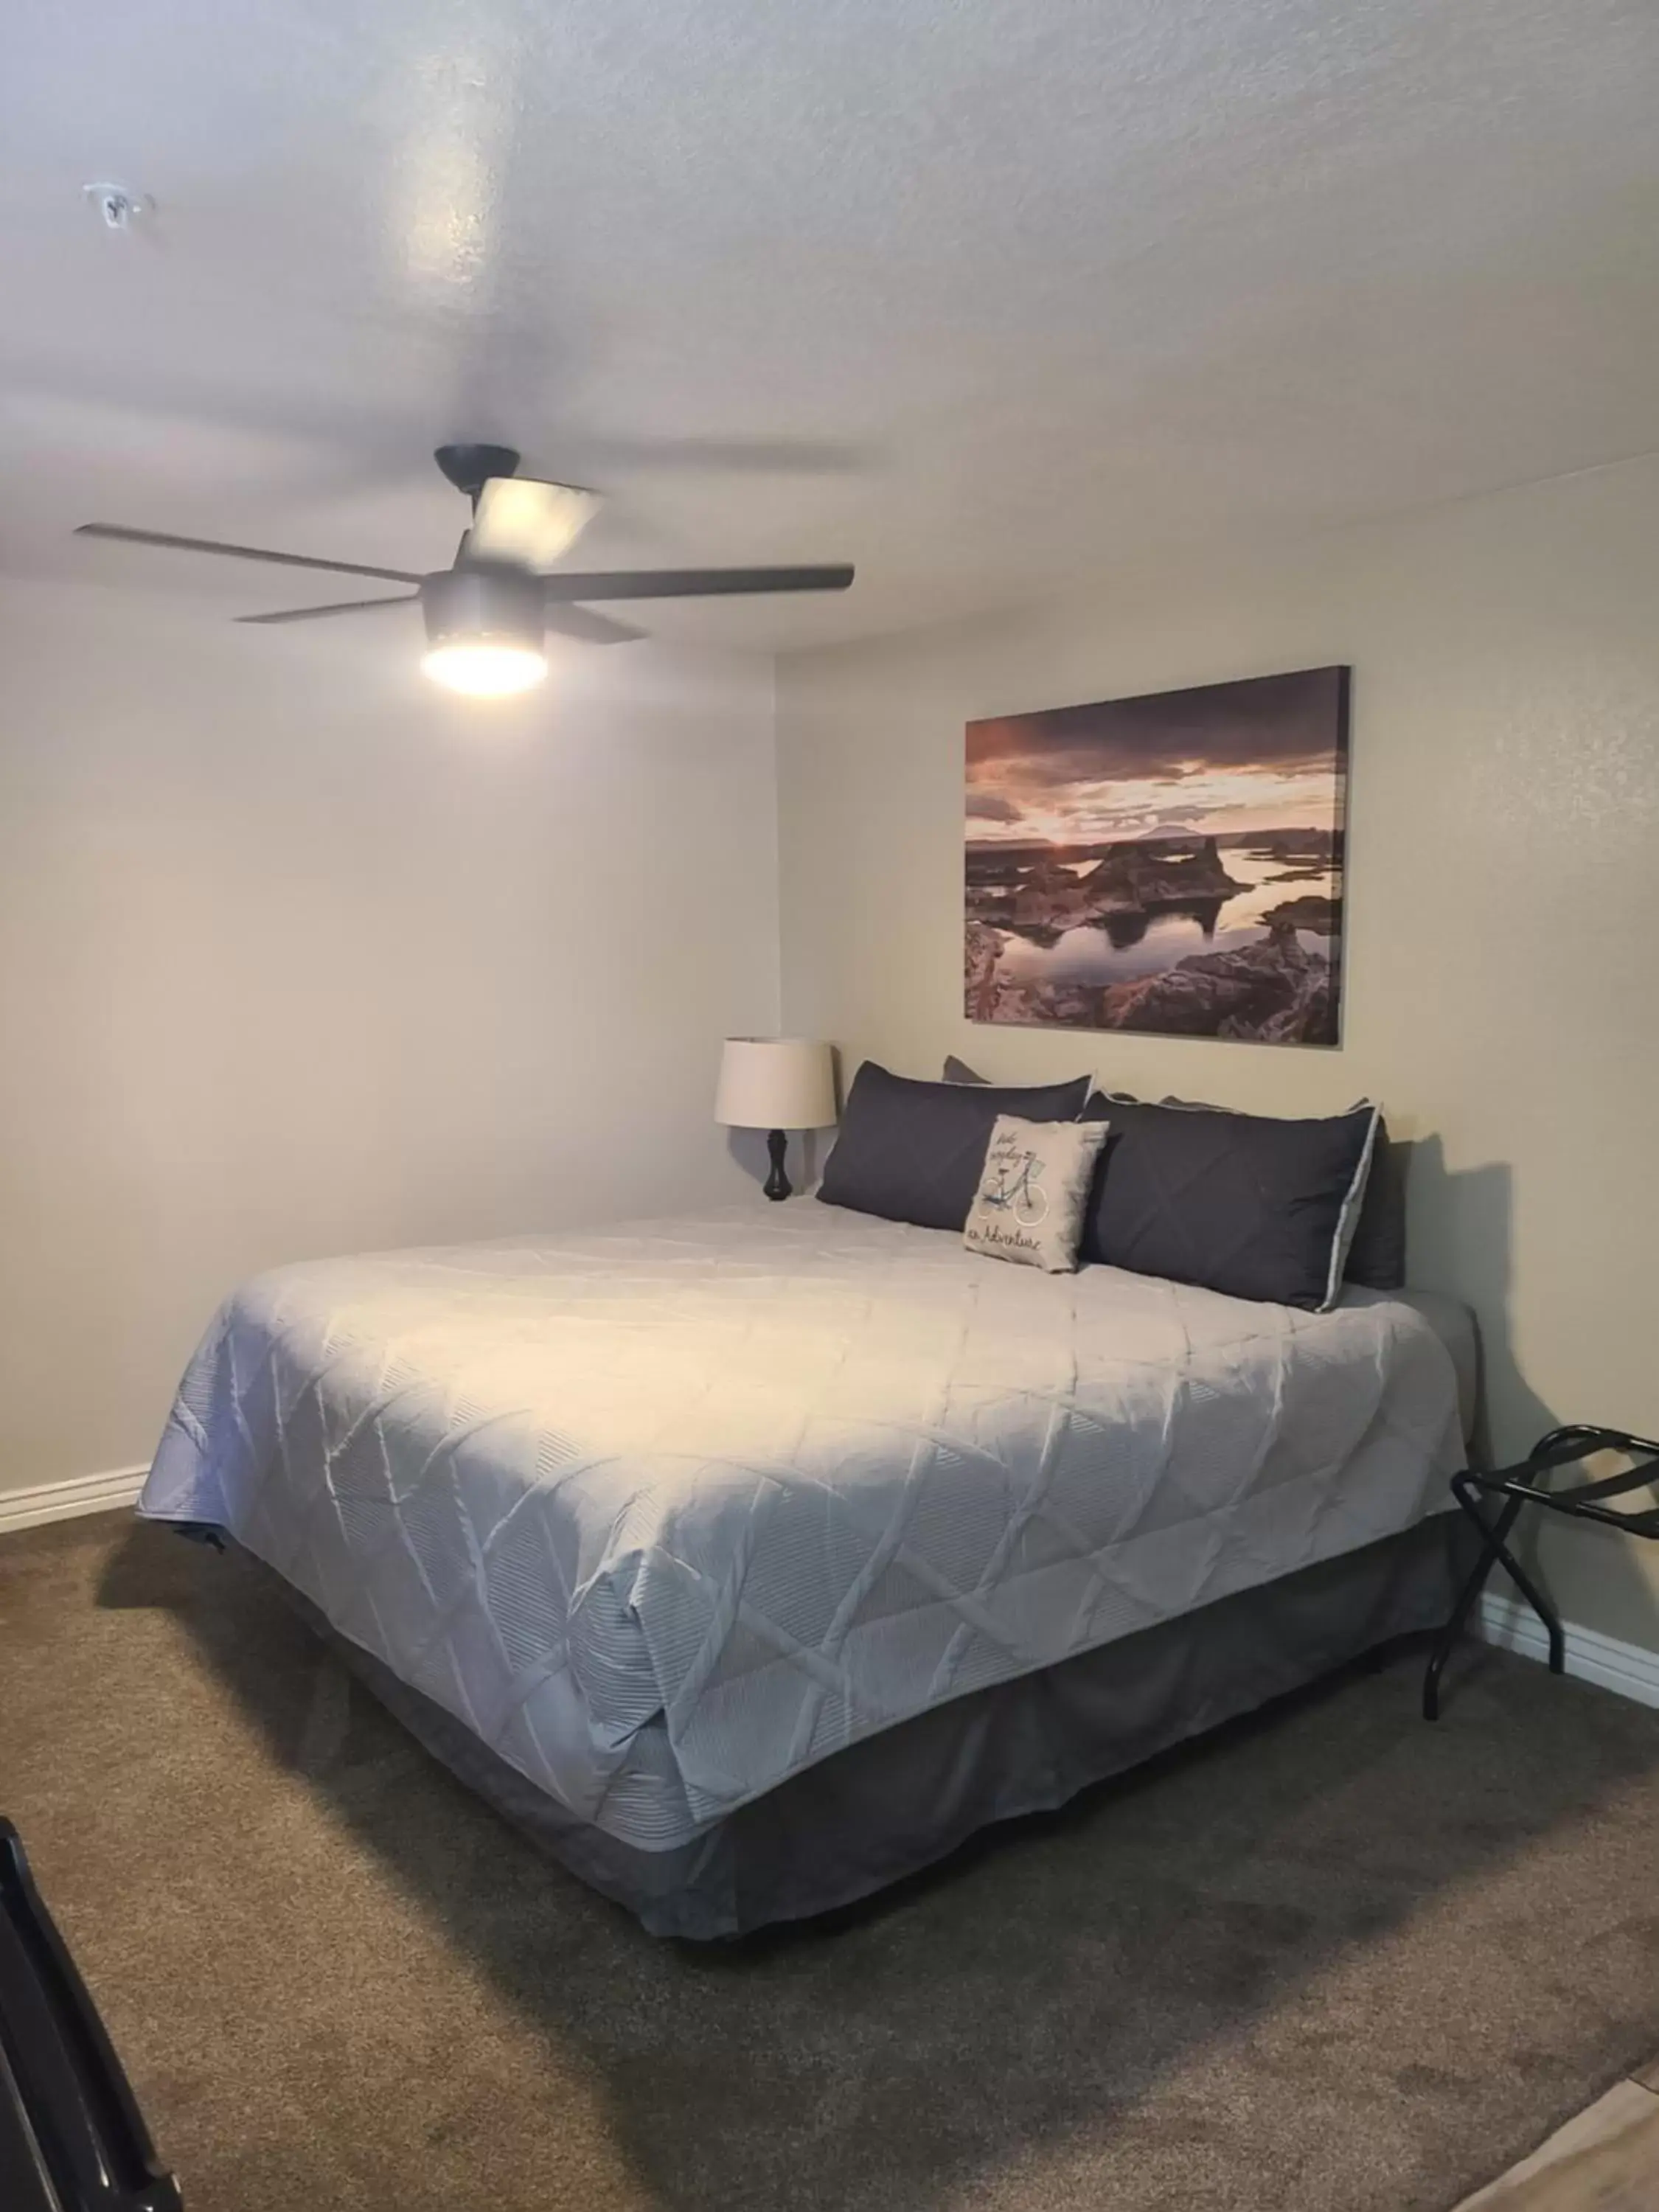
{"x": 973, "y": 293}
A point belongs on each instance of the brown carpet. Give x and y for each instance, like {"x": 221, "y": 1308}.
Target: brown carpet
{"x": 1331, "y": 1957}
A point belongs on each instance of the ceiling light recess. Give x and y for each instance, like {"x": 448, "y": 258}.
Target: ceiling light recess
{"x": 484, "y": 631}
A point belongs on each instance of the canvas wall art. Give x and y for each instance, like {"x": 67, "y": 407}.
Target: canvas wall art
{"x": 1171, "y": 864}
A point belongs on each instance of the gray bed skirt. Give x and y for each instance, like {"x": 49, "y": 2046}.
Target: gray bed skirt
{"x": 897, "y": 1802}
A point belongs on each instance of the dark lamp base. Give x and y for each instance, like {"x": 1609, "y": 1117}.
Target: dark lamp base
{"x": 777, "y": 1183}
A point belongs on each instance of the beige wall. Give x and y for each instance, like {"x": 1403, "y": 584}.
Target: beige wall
{"x": 299, "y": 957}
{"x": 1503, "y": 913}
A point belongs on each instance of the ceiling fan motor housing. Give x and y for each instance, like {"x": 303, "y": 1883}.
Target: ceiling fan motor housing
{"x": 499, "y": 606}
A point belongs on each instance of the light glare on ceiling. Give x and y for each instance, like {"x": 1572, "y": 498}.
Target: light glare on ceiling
{"x": 484, "y": 668}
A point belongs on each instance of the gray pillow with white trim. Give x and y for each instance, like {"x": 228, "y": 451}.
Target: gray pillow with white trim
{"x": 1376, "y": 1254}
{"x": 1247, "y": 1204}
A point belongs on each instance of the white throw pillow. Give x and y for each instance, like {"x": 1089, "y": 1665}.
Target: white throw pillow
{"x": 1034, "y": 1192}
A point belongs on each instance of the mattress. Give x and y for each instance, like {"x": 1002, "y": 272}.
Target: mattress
{"x": 668, "y": 1512}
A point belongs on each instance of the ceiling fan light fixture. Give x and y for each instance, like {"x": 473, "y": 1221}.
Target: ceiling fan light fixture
{"x": 528, "y": 523}
{"x": 488, "y": 616}
{"x": 484, "y": 630}
{"x": 484, "y": 667}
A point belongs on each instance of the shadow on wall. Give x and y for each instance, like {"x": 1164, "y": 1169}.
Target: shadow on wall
{"x": 803, "y": 1162}
{"x": 748, "y": 1148}
{"x": 1461, "y": 1240}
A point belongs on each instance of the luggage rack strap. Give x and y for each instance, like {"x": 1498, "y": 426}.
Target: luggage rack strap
{"x": 1511, "y": 1488}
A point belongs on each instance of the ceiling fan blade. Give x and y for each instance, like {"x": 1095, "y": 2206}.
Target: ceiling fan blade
{"x": 693, "y": 583}
{"x": 241, "y": 552}
{"x": 340, "y": 607}
{"x": 591, "y": 628}
{"x": 528, "y": 523}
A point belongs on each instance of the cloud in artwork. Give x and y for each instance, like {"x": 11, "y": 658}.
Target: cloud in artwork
{"x": 992, "y": 807}
{"x": 1224, "y": 756}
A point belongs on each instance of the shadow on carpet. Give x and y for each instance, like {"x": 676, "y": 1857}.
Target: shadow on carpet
{"x": 1330, "y": 1956}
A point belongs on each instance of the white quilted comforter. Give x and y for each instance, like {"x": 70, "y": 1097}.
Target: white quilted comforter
{"x": 666, "y": 1512}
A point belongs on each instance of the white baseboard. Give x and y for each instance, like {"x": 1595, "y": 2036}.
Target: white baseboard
{"x": 1629, "y": 1668}
{"x": 77, "y": 1493}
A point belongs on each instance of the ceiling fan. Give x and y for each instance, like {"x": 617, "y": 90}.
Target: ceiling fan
{"x": 486, "y": 615}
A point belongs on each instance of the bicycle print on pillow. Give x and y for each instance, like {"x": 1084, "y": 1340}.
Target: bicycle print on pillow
{"x": 1033, "y": 1191}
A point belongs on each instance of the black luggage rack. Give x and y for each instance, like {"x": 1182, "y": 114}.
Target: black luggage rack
{"x": 1523, "y": 1484}
{"x": 71, "y": 2136}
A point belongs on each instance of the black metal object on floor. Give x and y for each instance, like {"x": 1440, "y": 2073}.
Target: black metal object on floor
{"x": 71, "y": 2136}
{"x": 1525, "y": 1485}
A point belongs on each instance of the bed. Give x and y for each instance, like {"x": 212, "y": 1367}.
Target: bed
{"x": 751, "y": 1558}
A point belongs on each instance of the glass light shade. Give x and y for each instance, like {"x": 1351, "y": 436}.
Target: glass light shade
{"x": 484, "y": 667}
{"x": 775, "y": 1083}
{"x": 483, "y": 630}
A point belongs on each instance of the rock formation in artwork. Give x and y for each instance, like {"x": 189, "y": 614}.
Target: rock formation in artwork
{"x": 1049, "y": 896}
{"x": 1274, "y": 991}
{"x": 988, "y": 996}
{"x": 1312, "y": 910}
{"x": 983, "y": 950}
{"x": 1146, "y": 874}
{"x": 1130, "y": 877}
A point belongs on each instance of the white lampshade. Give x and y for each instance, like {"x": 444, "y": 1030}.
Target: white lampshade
{"x": 775, "y": 1083}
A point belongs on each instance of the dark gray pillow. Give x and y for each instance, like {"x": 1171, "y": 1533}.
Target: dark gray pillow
{"x": 1377, "y": 1257}
{"x": 914, "y": 1151}
{"x": 1243, "y": 1203}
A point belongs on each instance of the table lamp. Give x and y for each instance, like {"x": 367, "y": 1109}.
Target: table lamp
{"x": 775, "y": 1084}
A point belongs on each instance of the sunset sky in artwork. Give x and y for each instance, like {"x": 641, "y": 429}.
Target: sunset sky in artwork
{"x": 1261, "y": 754}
